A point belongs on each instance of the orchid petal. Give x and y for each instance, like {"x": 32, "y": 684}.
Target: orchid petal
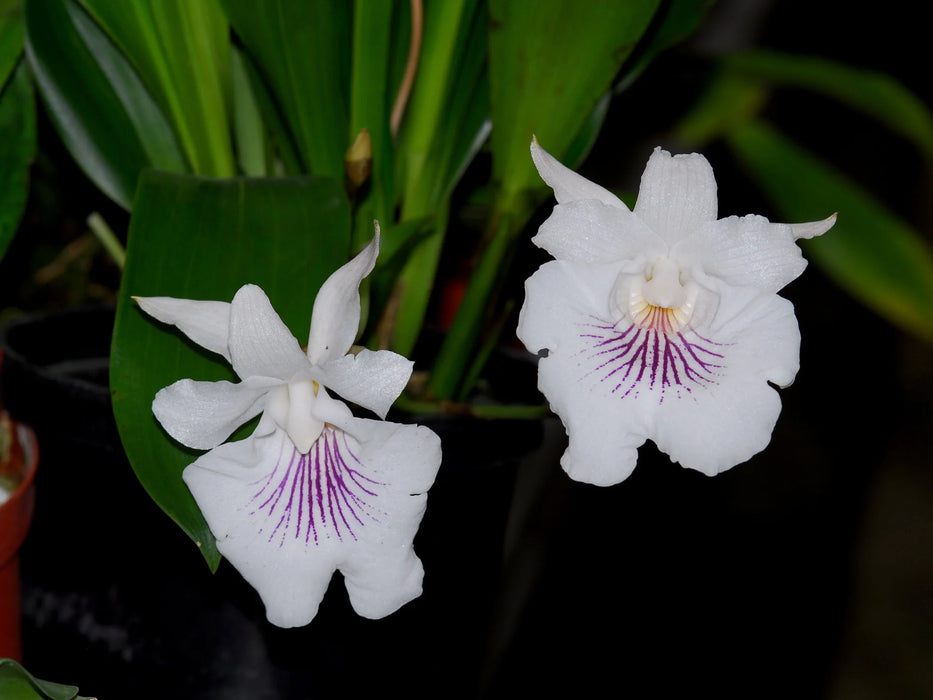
{"x": 746, "y": 251}
{"x": 335, "y": 319}
{"x": 589, "y": 231}
{"x": 202, "y": 415}
{"x": 677, "y": 194}
{"x": 287, "y": 521}
{"x": 207, "y": 323}
{"x": 564, "y": 307}
{"x": 812, "y": 229}
{"x": 561, "y": 299}
{"x": 369, "y": 379}
{"x": 384, "y": 572}
{"x": 731, "y": 419}
{"x": 260, "y": 344}
{"x": 568, "y": 186}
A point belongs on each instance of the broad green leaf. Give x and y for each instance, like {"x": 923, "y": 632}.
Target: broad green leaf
{"x": 17, "y": 147}
{"x": 549, "y": 65}
{"x": 181, "y": 49}
{"x": 11, "y": 37}
{"x": 16, "y": 683}
{"x": 286, "y": 235}
{"x": 870, "y": 252}
{"x": 302, "y": 51}
{"x": 876, "y": 94}
{"x": 87, "y": 111}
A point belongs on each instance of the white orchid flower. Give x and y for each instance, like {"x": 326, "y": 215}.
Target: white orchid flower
{"x": 663, "y": 322}
{"x": 313, "y": 489}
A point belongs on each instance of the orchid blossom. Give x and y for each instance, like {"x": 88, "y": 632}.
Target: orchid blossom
{"x": 662, "y": 322}
{"x": 313, "y": 489}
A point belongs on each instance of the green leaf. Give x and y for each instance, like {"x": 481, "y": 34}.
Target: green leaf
{"x": 181, "y": 49}
{"x": 446, "y": 123}
{"x": 302, "y": 51}
{"x": 249, "y": 131}
{"x": 92, "y": 120}
{"x": 286, "y": 235}
{"x": 282, "y": 150}
{"x": 11, "y": 37}
{"x": 16, "y": 683}
{"x": 876, "y": 94}
{"x": 729, "y": 101}
{"x": 370, "y": 105}
{"x": 549, "y": 64}
{"x": 870, "y": 252}
{"x": 674, "y": 22}
{"x": 17, "y": 147}
{"x": 151, "y": 126}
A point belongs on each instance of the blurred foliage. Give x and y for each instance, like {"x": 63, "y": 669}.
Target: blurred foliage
{"x": 873, "y": 254}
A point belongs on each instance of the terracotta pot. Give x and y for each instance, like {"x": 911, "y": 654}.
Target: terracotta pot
{"x": 19, "y": 456}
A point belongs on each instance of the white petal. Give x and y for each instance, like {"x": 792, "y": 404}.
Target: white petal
{"x": 566, "y": 312}
{"x": 201, "y": 415}
{"x": 336, "y": 316}
{"x": 731, "y": 419}
{"x": 703, "y": 397}
{"x": 811, "y": 229}
{"x": 677, "y": 194}
{"x": 207, "y": 323}
{"x": 748, "y": 251}
{"x": 561, "y": 298}
{"x": 227, "y": 484}
{"x": 287, "y": 521}
{"x": 568, "y": 186}
{"x": 384, "y": 572}
{"x": 589, "y": 231}
{"x": 370, "y": 379}
{"x": 260, "y": 344}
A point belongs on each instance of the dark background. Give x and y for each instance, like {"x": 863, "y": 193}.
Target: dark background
{"x": 806, "y": 572}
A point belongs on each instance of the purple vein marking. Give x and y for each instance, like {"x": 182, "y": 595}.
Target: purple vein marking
{"x": 636, "y": 357}
{"x": 322, "y": 493}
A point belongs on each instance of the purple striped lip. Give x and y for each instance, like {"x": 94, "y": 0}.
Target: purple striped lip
{"x": 316, "y": 496}
{"x": 652, "y": 358}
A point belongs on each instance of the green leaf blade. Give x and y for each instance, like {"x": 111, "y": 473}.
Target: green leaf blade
{"x": 302, "y": 51}
{"x": 550, "y": 63}
{"x": 181, "y": 50}
{"x": 878, "y": 258}
{"x": 875, "y": 94}
{"x": 86, "y": 110}
{"x": 17, "y": 148}
{"x": 16, "y": 683}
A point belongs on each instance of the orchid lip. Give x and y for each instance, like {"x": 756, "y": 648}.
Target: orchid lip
{"x": 317, "y": 495}
{"x": 631, "y": 358}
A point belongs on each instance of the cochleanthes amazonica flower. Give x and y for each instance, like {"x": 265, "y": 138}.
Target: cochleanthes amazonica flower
{"x": 313, "y": 489}
{"x": 662, "y": 322}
